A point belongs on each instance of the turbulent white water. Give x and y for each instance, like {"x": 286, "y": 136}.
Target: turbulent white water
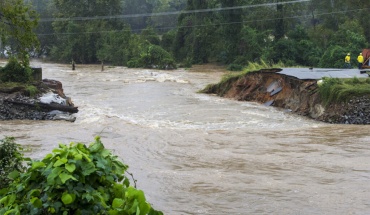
{"x": 201, "y": 154}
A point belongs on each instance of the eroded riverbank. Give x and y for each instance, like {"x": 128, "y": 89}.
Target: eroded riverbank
{"x": 299, "y": 96}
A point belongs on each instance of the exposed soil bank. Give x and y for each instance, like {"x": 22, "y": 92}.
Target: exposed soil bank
{"x": 297, "y": 95}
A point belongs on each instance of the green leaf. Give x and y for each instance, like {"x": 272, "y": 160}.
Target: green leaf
{"x": 65, "y": 177}
{"x": 55, "y": 173}
{"x": 117, "y": 203}
{"x": 67, "y": 198}
{"x": 78, "y": 157}
{"x": 36, "y": 202}
{"x": 96, "y": 147}
{"x": 35, "y": 193}
{"x": 60, "y": 162}
{"x": 37, "y": 164}
{"x": 105, "y": 153}
{"x": 48, "y": 156}
{"x": 70, "y": 167}
{"x": 113, "y": 212}
{"x": 13, "y": 175}
{"x": 88, "y": 168}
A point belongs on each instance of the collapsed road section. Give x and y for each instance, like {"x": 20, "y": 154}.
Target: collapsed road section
{"x": 296, "y": 90}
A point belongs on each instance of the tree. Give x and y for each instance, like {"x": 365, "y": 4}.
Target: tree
{"x": 44, "y": 30}
{"x": 17, "y": 22}
{"x": 78, "y": 32}
{"x": 136, "y": 7}
{"x": 231, "y": 27}
{"x": 166, "y": 17}
{"x": 193, "y": 42}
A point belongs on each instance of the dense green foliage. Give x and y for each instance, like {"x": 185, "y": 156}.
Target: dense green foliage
{"x": 17, "y": 22}
{"x": 74, "y": 179}
{"x": 341, "y": 90}
{"x": 309, "y": 33}
{"x": 11, "y": 160}
{"x": 13, "y": 71}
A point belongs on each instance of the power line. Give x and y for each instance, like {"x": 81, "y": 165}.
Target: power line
{"x": 226, "y": 23}
{"x": 167, "y": 13}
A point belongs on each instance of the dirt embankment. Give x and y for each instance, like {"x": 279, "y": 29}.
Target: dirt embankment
{"x": 299, "y": 96}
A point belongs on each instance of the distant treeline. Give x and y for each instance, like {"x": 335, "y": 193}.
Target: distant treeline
{"x": 165, "y": 33}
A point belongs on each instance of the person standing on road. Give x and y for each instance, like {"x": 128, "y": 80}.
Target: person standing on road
{"x": 347, "y": 61}
{"x": 360, "y": 60}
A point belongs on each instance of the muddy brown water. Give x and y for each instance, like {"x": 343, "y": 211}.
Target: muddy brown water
{"x": 201, "y": 154}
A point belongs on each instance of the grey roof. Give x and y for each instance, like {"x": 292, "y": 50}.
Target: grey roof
{"x": 319, "y": 73}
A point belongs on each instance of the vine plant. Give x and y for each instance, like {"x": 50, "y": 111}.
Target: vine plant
{"x": 74, "y": 179}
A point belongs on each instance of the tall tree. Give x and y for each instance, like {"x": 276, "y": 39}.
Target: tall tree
{"x": 231, "y": 27}
{"x": 79, "y": 28}
{"x": 166, "y": 15}
{"x": 195, "y": 32}
{"x": 141, "y": 10}
{"x": 44, "y": 30}
{"x": 17, "y": 22}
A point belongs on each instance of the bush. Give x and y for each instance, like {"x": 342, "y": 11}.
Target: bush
{"x": 15, "y": 72}
{"x": 134, "y": 63}
{"x": 75, "y": 179}
{"x": 11, "y": 160}
{"x": 31, "y": 90}
{"x": 156, "y": 56}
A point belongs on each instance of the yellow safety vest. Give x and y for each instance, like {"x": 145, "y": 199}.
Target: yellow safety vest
{"x": 347, "y": 59}
{"x": 360, "y": 59}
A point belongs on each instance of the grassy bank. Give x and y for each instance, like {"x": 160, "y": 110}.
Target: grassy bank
{"x": 335, "y": 90}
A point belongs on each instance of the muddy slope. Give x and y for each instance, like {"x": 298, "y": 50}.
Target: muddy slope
{"x": 300, "y": 96}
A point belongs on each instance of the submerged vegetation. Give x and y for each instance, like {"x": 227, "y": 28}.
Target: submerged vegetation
{"x": 73, "y": 179}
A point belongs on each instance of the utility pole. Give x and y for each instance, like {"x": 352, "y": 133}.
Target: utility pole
{"x": 1, "y": 48}
{"x": 279, "y": 25}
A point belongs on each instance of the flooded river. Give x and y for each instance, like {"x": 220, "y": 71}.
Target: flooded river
{"x": 201, "y": 154}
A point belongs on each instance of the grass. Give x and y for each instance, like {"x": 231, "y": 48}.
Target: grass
{"x": 335, "y": 90}
{"x": 251, "y": 67}
{"x": 31, "y": 90}
{"x": 11, "y": 84}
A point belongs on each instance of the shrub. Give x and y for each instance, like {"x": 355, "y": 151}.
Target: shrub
{"x": 31, "y": 90}
{"x": 15, "y": 72}
{"x": 156, "y": 56}
{"x": 11, "y": 160}
{"x": 75, "y": 179}
{"x": 134, "y": 63}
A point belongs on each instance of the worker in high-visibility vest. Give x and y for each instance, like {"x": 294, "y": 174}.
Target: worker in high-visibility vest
{"x": 347, "y": 61}
{"x": 360, "y": 60}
